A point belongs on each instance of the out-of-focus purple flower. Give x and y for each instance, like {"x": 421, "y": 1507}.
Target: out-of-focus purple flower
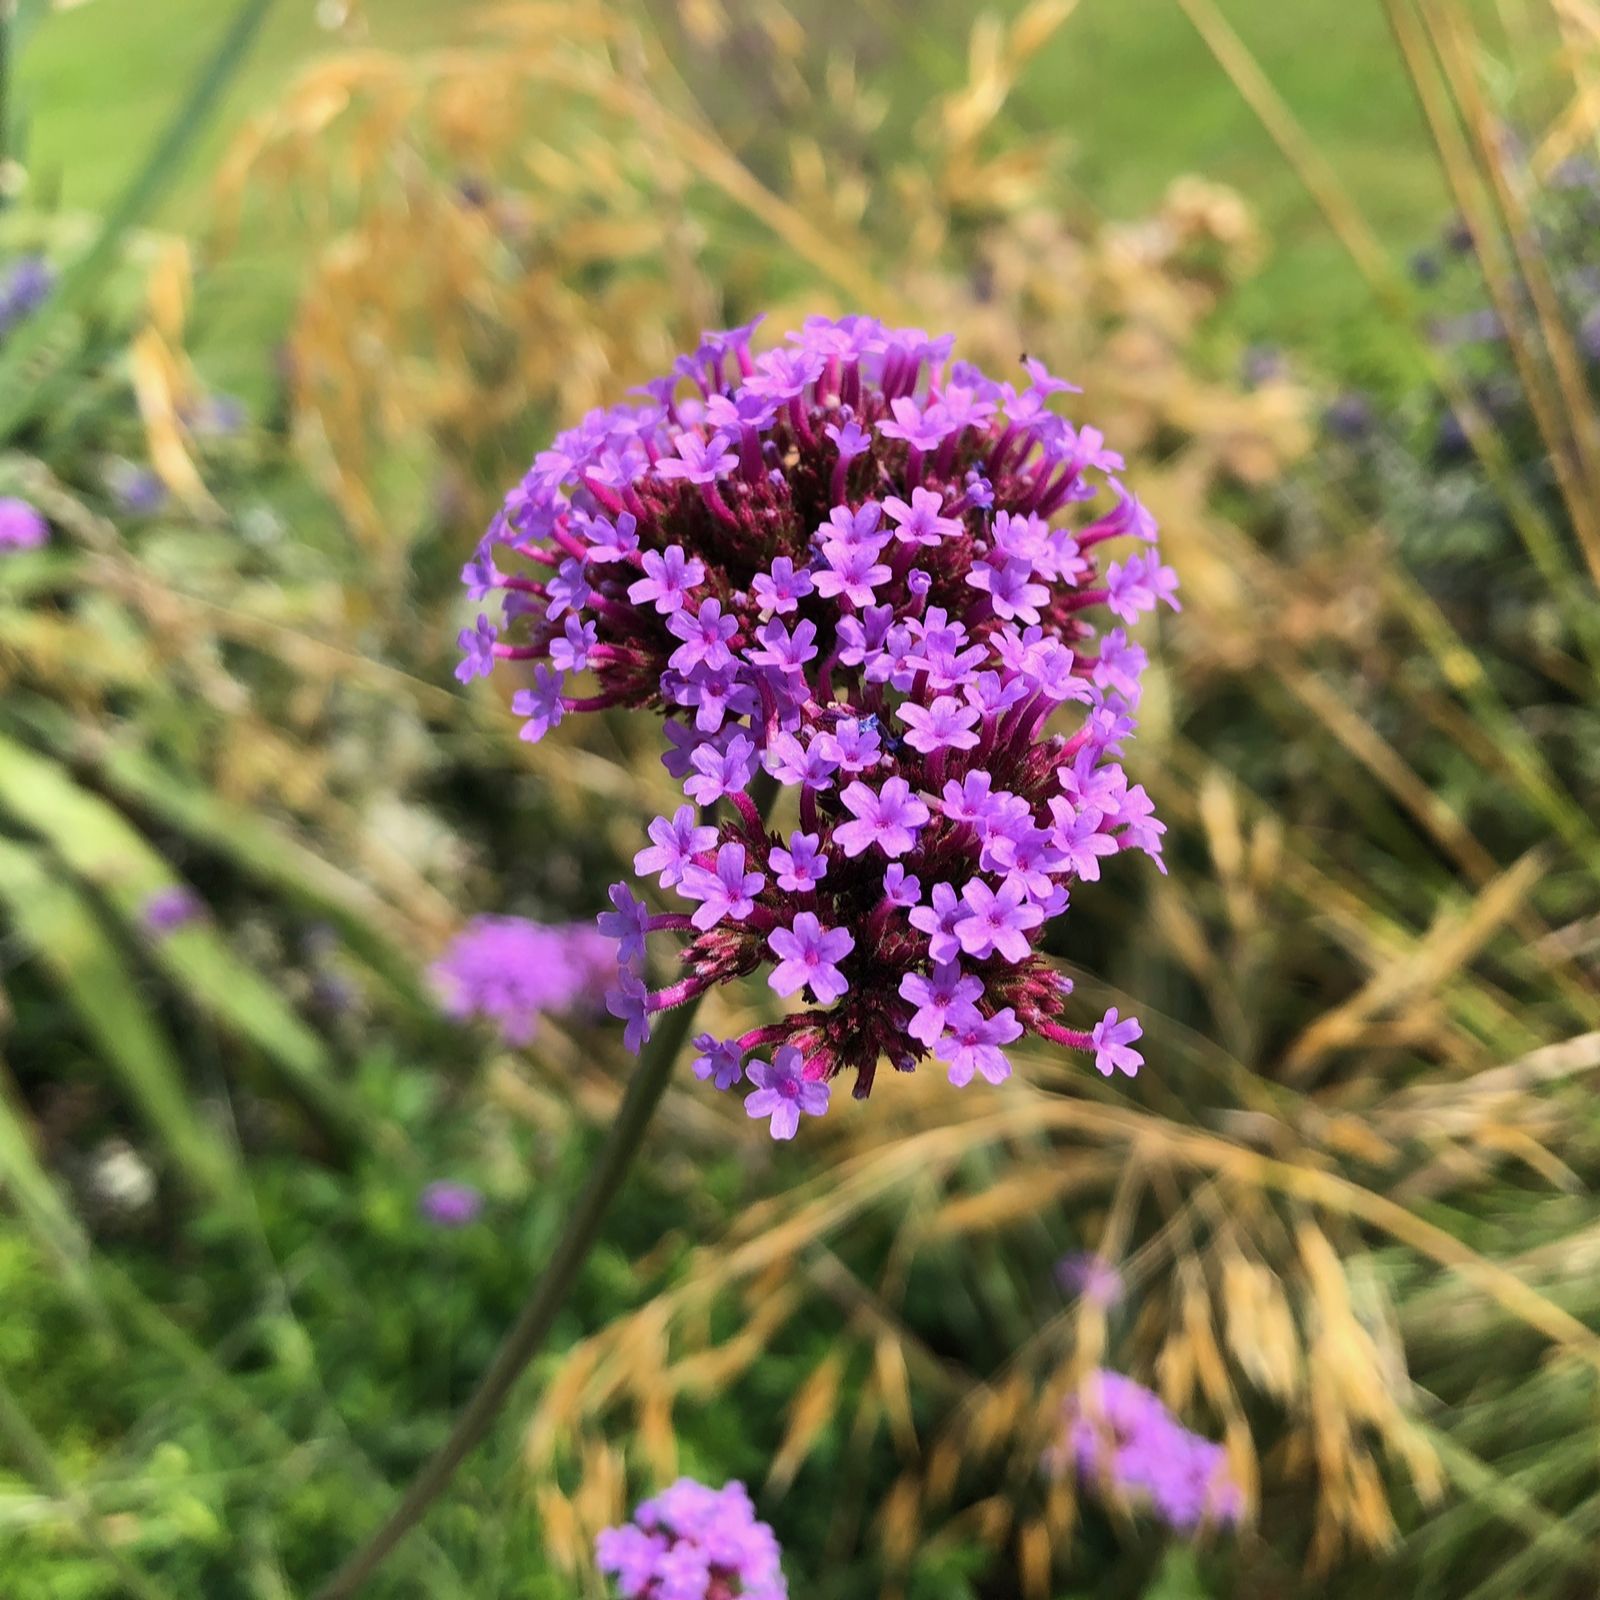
{"x": 512, "y": 971}
{"x": 1261, "y": 364}
{"x": 1425, "y": 266}
{"x": 694, "y": 1543}
{"x": 22, "y": 526}
{"x": 1090, "y": 1277}
{"x": 1349, "y": 417}
{"x": 875, "y": 576}
{"x": 1120, "y": 1438}
{"x": 216, "y": 416}
{"x": 450, "y": 1205}
{"x": 137, "y": 491}
{"x": 169, "y": 909}
{"x": 23, "y": 289}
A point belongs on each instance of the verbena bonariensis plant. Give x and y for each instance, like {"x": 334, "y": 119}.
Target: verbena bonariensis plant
{"x": 840, "y": 568}
{"x": 845, "y": 563}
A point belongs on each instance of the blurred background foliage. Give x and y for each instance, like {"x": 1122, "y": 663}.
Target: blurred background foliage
{"x": 1327, "y": 276}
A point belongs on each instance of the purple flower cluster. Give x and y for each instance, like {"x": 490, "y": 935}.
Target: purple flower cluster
{"x": 847, "y": 564}
{"x": 512, "y": 971}
{"x": 21, "y": 525}
{"x": 23, "y": 290}
{"x": 694, "y": 1543}
{"x": 1120, "y": 1436}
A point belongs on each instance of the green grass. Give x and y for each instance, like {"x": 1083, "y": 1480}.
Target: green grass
{"x": 1132, "y": 85}
{"x": 98, "y": 83}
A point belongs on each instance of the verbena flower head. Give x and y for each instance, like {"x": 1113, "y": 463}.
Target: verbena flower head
{"x": 511, "y": 971}
{"x": 901, "y": 590}
{"x": 169, "y": 909}
{"x": 22, "y": 527}
{"x": 1121, "y": 1437}
{"x": 694, "y": 1543}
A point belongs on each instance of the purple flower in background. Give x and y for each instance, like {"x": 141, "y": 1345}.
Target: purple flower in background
{"x": 216, "y": 416}
{"x": 694, "y": 1543}
{"x": 511, "y": 971}
{"x": 22, "y": 526}
{"x": 782, "y": 1092}
{"x": 169, "y": 909}
{"x": 137, "y": 491}
{"x": 450, "y": 1205}
{"x": 23, "y": 289}
{"x": 1120, "y": 1438}
{"x": 901, "y": 590}
{"x": 1090, "y": 1277}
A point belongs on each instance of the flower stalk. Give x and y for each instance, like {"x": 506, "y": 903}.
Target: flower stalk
{"x": 532, "y": 1327}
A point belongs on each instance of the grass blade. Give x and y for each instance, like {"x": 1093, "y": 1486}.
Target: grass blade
{"x": 104, "y": 849}
{"x": 61, "y": 926}
{"x": 33, "y": 1191}
{"x": 19, "y": 399}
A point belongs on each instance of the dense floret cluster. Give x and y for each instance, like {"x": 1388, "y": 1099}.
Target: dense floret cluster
{"x": 512, "y": 971}
{"x": 845, "y": 568}
{"x": 694, "y": 1543}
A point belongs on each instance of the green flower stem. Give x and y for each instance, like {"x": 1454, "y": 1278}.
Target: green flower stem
{"x": 532, "y": 1327}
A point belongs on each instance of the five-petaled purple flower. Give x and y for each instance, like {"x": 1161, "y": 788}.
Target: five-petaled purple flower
{"x": 782, "y": 1092}
{"x": 807, "y": 954}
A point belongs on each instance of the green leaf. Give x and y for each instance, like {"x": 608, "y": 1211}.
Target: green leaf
{"x": 99, "y": 844}
{"x": 60, "y": 925}
{"x": 269, "y": 854}
{"x": 21, "y": 399}
{"x": 48, "y": 1216}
